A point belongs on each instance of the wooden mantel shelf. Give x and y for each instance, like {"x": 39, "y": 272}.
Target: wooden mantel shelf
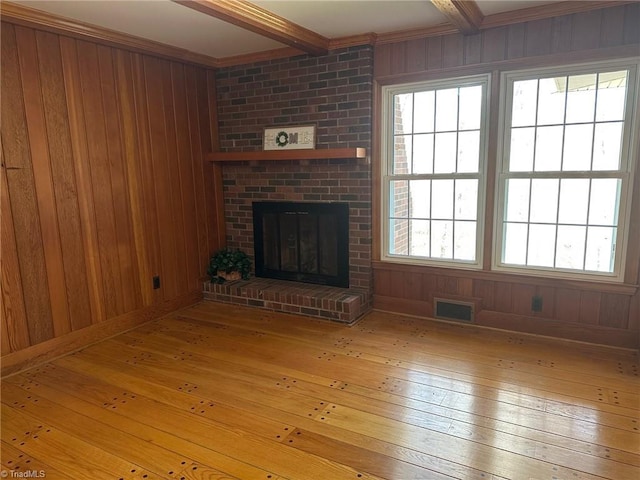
{"x": 356, "y": 153}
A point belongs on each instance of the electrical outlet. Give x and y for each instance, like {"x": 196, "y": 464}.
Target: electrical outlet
{"x": 156, "y": 282}
{"x": 536, "y": 303}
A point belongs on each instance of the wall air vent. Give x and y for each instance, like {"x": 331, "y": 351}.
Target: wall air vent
{"x": 453, "y": 310}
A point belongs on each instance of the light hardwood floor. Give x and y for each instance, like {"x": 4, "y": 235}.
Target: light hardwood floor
{"x": 217, "y": 391}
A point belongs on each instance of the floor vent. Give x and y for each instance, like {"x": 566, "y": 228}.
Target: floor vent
{"x": 453, "y": 310}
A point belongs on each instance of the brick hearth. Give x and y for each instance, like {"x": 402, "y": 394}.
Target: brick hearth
{"x": 338, "y": 304}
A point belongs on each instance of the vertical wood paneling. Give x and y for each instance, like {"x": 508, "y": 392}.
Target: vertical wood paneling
{"x": 538, "y": 37}
{"x": 95, "y": 128}
{"x": 452, "y": 51}
{"x": 64, "y": 179}
{"x": 416, "y": 55}
{"x": 21, "y": 190}
{"x": 494, "y": 43}
{"x": 199, "y": 180}
{"x": 131, "y": 154}
{"x": 145, "y": 161}
{"x": 131, "y": 298}
{"x": 611, "y": 33}
{"x": 71, "y": 72}
{"x": 15, "y": 141}
{"x": 190, "y": 229}
{"x": 109, "y": 185}
{"x": 173, "y": 171}
{"x": 614, "y": 310}
{"x": 631, "y": 22}
{"x": 40, "y": 158}
{"x": 160, "y": 174}
{"x": 434, "y": 53}
{"x": 567, "y": 305}
{"x": 15, "y": 334}
{"x": 585, "y": 34}
{"x": 521, "y": 295}
{"x": 472, "y": 49}
{"x": 561, "y": 36}
{"x": 589, "y": 307}
{"x": 213, "y": 175}
{"x": 515, "y": 40}
{"x": 502, "y": 297}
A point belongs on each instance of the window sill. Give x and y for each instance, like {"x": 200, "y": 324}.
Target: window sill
{"x": 501, "y": 276}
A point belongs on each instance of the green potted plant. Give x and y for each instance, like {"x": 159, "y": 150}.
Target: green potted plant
{"x": 228, "y": 264}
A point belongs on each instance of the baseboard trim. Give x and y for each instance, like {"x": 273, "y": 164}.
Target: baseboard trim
{"x": 43, "y": 352}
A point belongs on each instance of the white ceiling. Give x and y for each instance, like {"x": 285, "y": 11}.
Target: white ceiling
{"x": 173, "y": 24}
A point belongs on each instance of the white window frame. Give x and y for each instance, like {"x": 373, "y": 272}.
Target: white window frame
{"x": 387, "y": 152}
{"x": 627, "y": 167}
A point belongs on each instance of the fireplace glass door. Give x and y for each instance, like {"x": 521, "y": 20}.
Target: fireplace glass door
{"x": 305, "y": 242}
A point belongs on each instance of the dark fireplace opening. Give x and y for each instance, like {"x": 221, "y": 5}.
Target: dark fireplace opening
{"x": 303, "y": 242}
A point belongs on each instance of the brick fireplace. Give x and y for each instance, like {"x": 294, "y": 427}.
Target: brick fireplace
{"x": 333, "y": 92}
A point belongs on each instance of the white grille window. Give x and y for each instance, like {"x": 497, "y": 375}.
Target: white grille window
{"x": 434, "y": 170}
{"x": 565, "y": 176}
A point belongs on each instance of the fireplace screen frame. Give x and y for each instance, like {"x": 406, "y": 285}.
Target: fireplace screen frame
{"x": 339, "y": 209}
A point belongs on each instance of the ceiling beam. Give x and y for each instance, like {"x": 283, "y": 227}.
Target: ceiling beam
{"x": 465, "y": 15}
{"x": 258, "y": 20}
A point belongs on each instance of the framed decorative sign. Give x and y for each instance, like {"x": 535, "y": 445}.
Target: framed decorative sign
{"x": 290, "y": 138}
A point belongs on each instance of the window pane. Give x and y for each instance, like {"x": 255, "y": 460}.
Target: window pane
{"x": 399, "y": 198}
{"x": 570, "y": 247}
{"x": 574, "y": 201}
{"x": 581, "y": 98}
{"x": 548, "y": 149}
{"x": 468, "y": 151}
{"x": 446, "y": 110}
{"x": 603, "y": 208}
{"x": 551, "y": 100}
{"x": 517, "y": 203}
{"x": 521, "y": 152}
{"x": 445, "y": 159}
{"x": 465, "y": 241}
{"x": 420, "y": 236}
{"x": 398, "y": 237}
{"x": 403, "y": 105}
{"x": 442, "y": 239}
{"x": 423, "y": 153}
{"x": 606, "y": 146}
{"x": 466, "y": 200}
{"x": 544, "y": 200}
{"x": 420, "y": 191}
{"x": 442, "y": 199}
{"x": 470, "y": 107}
{"x": 577, "y": 147}
{"x": 515, "y": 243}
{"x": 425, "y": 111}
{"x": 401, "y": 154}
{"x": 600, "y": 249}
{"x": 542, "y": 239}
{"x": 612, "y": 88}
{"x": 523, "y": 112}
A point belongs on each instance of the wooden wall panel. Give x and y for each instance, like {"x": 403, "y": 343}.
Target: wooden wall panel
{"x": 22, "y": 196}
{"x": 104, "y": 161}
{"x": 64, "y": 179}
{"x": 589, "y": 312}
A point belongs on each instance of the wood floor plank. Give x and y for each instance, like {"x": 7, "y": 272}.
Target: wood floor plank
{"x": 15, "y": 460}
{"x": 425, "y": 374}
{"x": 567, "y": 393}
{"x": 238, "y": 394}
{"x": 64, "y": 452}
{"x": 442, "y": 424}
{"x": 250, "y": 394}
